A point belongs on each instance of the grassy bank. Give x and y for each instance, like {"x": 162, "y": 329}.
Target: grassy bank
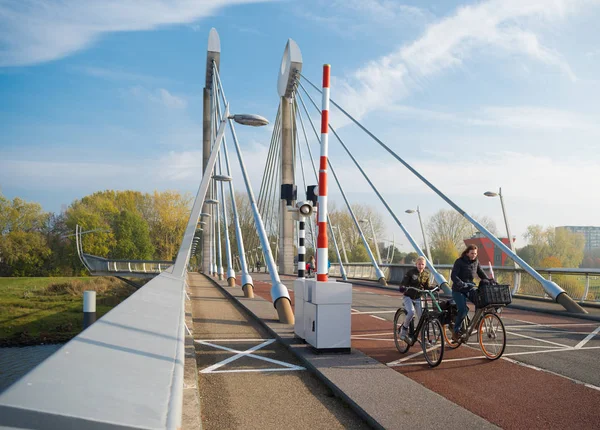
{"x": 34, "y": 311}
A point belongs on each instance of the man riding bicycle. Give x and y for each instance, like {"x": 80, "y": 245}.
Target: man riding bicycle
{"x": 417, "y": 277}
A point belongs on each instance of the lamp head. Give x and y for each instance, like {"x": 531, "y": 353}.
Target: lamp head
{"x": 410, "y": 211}
{"x": 223, "y": 178}
{"x": 249, "y": 119}
{"x": 490, "y": 194}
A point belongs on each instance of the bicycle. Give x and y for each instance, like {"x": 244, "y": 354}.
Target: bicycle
{"x": 491, "y": 333}
{"x": 429, "y": 328}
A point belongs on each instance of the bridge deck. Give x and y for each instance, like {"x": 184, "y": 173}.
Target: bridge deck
{"x": 549, "y": 377}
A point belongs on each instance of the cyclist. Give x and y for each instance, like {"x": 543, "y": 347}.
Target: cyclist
{"x": 417, "y": 277}
{"x": 463, "y": 285}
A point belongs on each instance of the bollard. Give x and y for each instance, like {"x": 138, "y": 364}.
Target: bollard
{"x": 89, "y": 308}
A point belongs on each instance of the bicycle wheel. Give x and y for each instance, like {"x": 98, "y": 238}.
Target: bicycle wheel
{"x": 432, "y": 341}
{"x": 492, "y": 336}
{"x": 399, "y": 319}
{"x": 449, "y": 328}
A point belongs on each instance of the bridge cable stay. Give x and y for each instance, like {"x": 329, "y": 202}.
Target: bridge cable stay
{"x": 271, "y": 209}
{"x": 311, "y": 222}
{"x": 378, "y": 272}
{"x": 279, "y": 292}
{"x": 329, "y": 223}
{"x": 439, "y": 278}
{"x": 247, "y": 282}
{"x": 554, "y": 290}
{"x": 264, "y": 197}
{"x": 230, "y": 269}
{"x": 216, "y": 209}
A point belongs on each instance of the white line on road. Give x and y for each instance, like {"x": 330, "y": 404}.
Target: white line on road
{"x": 538, "y": 340}
{"x": 379, "y": 318}
{"x": 188, "y": 330}
{"x": 373, "y": 334}
{"x": 374, "y": 312}
{"x": 588, "y": 338}
{"x": 539, "y": 369}
{"x": 549, "y": 325}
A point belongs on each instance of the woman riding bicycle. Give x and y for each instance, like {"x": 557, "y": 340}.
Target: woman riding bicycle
{"x": 417, "y": 277}
{"x": 463, "y": 287}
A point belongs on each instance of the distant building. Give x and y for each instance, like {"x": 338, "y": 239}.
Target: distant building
{"x": 590, "y": 234}
{"x": 487, "y": 251}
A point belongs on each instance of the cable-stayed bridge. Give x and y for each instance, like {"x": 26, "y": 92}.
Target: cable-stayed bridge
{"x": 127, "y": 369}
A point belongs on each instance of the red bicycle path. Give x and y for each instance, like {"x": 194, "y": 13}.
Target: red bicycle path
{"x": 505, "y": 393}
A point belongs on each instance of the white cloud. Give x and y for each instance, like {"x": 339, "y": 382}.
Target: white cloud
{"x": 159, "y": 96}
{"x": 34, "y": 32}
{"x": 514, "y": 117}
{"x": 496, "y": 24}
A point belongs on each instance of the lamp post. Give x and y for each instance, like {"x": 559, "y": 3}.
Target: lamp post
{"x": 365, "y": 220}
{"x": 510, "y": 239}
{"x": 412, "y": 211}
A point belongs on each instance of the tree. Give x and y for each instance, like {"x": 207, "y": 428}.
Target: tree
{"x": 23, "y": 246}
{"x": 561, "y": 243}
{"x": 448, "y": 227}
{"x": 444, "y": 253}
{"x": 132, "y": 237}
{"x": 550, "y": 262}
{"x": 411, "y": 257}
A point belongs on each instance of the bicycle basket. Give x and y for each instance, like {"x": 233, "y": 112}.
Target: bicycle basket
{"x": 449, "y": 311}
{"x": 492, "y": 295}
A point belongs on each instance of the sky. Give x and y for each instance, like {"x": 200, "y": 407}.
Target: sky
{"x": 474, "y": 95}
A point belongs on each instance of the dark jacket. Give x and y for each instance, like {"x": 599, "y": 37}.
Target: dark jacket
{"x": 464, "y": 271}
{"x": 414, "y": 279}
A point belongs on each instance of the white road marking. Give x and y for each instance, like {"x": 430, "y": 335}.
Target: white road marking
{"x": 549, "y": 325}
{"x": 374, "y": 338}
{"x": 373, "y": 334}
{"x": 539, "y": 369}
{"x": 246, "y": 353}
{"x": 379, "y": 318}
{"x": 229, "y": 340}
{"x": 538, "y": 340}
{"x": 188, "y": 330}
{"x": 588, "y": 338}
{"x": 374, "y": 312}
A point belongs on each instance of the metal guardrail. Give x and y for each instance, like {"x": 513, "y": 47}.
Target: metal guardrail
{"x": 135, "y": 268}
{"x": 582, "y": 285}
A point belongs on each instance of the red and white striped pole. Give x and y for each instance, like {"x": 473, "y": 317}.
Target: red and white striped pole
{"x": 322, "y": 241}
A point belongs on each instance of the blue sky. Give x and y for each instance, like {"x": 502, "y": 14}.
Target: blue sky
{"x": 475, "y": 95}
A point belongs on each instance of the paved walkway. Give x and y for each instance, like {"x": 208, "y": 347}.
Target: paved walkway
{"x": 383, "y": 397}
{"x": 247, "y": 378}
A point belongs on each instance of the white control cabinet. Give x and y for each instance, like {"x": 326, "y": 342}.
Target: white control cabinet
{"x": 327, "y": 313}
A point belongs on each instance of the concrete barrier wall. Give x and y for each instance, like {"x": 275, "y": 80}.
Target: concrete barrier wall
{"x": 124, "y": 371}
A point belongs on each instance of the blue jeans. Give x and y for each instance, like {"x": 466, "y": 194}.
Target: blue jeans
{"x": 461, "y": 303}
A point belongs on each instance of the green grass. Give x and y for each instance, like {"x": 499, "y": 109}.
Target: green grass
{"x": 47, "y": 310}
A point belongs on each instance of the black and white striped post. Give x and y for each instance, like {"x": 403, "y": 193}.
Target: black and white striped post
{"x": 89, "y": 308}
{"x": 301, "y": 247}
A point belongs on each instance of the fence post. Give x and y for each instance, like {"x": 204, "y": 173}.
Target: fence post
{"x": 89, "y": 308}
{"x": 587, "y": 287}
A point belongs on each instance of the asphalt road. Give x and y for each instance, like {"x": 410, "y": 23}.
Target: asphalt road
{"x": 548, "y": 377}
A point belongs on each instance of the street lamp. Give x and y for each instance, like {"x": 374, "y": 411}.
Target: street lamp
{"x": 374, "y": 237}
{"x": 510, "y": 239}
{"x": 412, "y": 211}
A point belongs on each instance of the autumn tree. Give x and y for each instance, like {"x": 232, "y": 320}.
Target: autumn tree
{"x": 23, "y": 246}
{"x": 566, "y": 246}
